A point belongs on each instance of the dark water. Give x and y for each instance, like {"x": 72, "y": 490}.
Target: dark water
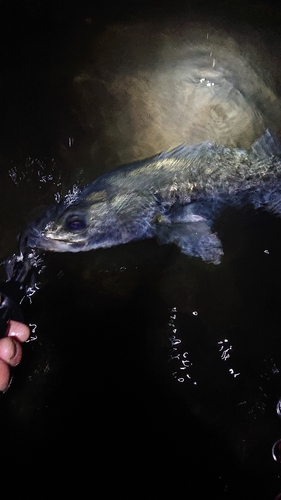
{"x": 150, "y": 370}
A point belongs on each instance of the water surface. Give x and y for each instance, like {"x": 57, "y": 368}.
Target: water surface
{"x": 165, "y": 369}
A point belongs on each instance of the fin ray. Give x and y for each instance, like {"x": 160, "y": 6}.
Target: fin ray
{"x": 193, "y": 238}
{"x": 266, "y": 146}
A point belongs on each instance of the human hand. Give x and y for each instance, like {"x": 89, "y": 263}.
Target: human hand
{"x": 11, "y": 350}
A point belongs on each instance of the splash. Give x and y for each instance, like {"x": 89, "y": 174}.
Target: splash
{"x": 225, "y": 350}
{"x": 43, "y": 171}
{"x": 179, "y": 358}
{"x": 72, "y": 196}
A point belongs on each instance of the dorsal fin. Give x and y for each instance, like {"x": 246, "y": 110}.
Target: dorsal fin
{"x": 267, "y": 145}
{"x": 183, "y": 151}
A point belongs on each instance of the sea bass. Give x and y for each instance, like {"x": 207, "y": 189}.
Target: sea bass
{"x": 174, "y": 197}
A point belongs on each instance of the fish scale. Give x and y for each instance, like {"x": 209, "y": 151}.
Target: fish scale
{"x": 174, "y": 197}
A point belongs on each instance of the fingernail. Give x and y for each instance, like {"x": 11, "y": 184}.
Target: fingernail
{"x": 14, "y": 350}
{"x": 8, "y": 385}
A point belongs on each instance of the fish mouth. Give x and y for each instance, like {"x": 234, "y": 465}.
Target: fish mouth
{"x": 29, "y": 238}
{"x": 33, "y": 238}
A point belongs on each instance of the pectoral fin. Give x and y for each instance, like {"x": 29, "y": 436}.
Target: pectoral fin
{"x": 193, "y": 238}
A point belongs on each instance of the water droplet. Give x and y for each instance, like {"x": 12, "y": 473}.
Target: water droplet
{"x": 278, "y": 408}
{"x": 276, "y": 451}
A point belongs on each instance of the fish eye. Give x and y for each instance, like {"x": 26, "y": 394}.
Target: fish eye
{"x": 75, "y": 223}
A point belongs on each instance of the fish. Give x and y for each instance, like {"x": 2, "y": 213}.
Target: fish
{"x": 174, "y": 197}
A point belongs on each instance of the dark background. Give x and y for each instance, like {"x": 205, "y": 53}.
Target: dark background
{"x": 94, "y": 405}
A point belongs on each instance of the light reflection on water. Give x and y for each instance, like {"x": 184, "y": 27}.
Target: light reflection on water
{"x": 180, "y": 360}
{"x": 45, "y": 171}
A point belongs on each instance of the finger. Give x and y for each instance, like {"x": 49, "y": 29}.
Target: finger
{"x": 10, "y": 351}
{"x": 18, "y": 330}
{"x": 4, "y": 376}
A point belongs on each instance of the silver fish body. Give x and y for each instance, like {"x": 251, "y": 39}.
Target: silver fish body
{"x": 174, "y": 197}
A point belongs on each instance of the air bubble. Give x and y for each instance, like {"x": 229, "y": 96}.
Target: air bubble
{"x": 278, "y": 408}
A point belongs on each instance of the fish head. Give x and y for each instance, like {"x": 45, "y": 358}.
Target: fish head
{"x": 75, "y": 226}
{"x": 93, "y": 219}
{"x": 58, "y": 232}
